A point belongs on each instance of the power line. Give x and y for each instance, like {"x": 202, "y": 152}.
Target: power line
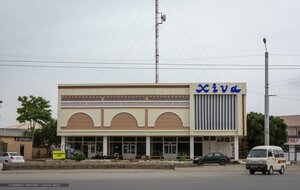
{"x": 141, "y": 63}
{"x": 139, "y": 68}
{"x": 286, "y": 55}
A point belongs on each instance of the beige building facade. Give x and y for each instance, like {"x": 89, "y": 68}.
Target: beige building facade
{"x": 292, "y": 146}
{"x": 12, "y": 140}
{"x": 157, "y": 120}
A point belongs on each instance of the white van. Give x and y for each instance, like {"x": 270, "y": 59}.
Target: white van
{"x": 266, "y": 159}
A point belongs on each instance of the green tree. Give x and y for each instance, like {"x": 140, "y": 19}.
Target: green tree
{"x": 47, "y": 135}
{"x": 33, "y": 110}
{"x": 255, "y": 130}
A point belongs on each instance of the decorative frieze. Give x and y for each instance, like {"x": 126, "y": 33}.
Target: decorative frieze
{"x": 125, "y": 98}
{"x": 119, "y": 104}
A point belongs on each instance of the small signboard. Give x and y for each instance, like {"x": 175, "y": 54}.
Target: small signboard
{"x": 293, "y": 141}
{"x": 23, "y": 139}
{"x": 59, "y": 155}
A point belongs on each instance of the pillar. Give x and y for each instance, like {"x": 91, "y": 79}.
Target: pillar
{"x": 236, "y": 148}
{"x": 191, "y": 147}
{"x": 105, "y": 146}
{"x": 148, "y": 146}
{"x": 63, "y": 143}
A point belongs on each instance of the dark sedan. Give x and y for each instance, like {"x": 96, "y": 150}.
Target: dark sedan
{"x": 213, "y": 157}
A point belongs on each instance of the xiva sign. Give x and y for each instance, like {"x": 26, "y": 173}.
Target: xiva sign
{"x": 220, "y": 88}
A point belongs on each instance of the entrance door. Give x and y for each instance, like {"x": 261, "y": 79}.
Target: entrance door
{"x": 91, "y": 150}
{"x": 170, "y": 151}
{"x": 129, "y": 150}
{"x": 22, "y": 149}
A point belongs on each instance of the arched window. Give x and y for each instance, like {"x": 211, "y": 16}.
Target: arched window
{"x": 80, "y": 121}
{"x": 124, "y": 121}
{"x": 168, "y": 120}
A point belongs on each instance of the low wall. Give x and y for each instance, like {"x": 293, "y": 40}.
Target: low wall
{"x": 61, "y": 165}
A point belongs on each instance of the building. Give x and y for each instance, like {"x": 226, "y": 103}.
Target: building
{"x": 293, "y": 142}
{"x": 13, "y": 140}
{"x": 157, "y": 120}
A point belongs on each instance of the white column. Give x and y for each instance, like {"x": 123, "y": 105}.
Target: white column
{"x": 191, "y": 147}
{"x": 236, "y": 148}
{"x": 105, "y": 146}
{"x": 62, "y": 143}
{"x": 148, "y": 146}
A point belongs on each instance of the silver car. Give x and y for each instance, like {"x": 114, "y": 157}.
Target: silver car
{"x": 12, "y": 157}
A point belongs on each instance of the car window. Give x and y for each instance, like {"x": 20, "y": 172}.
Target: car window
{"x": 257, "y": 153}
{"x": 276, "y": 153}
{"x": 270, "y": 154}
{"x": 14, "y": 154}
{"x": 281, "y": 154}
{"x": 5, "y": 154}
{"x": 210, "y": 155}
{"x": 218, "y": 154}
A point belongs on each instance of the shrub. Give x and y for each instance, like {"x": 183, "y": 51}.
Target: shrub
{"x": 183, "y": 157}
{"x": 78, "y": 157}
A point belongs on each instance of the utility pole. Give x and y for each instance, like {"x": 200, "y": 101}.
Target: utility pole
{"x": 159, "y": 19}
{"x": 0, "y": 111}
{"x": 267, "y": 133}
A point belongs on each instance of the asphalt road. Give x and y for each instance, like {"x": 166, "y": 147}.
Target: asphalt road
{"x": 206, "y": 178}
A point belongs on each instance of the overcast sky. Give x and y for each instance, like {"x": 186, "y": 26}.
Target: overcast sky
{"x": 209, "y": 33}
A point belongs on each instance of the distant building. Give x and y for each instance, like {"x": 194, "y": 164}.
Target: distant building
{"x": 293, "y": 141}
{"x": 12, "y": 140}
{"x": 156, "y": 120}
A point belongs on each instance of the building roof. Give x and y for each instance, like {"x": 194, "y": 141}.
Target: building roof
{"x": 135, "y": 85}
{"x": 291, "y": 120}
{"x": 24, "y": 126}
{"x": 6, "y": 132}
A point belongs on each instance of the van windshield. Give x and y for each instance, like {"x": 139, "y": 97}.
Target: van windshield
{"x": 257, "y": 153}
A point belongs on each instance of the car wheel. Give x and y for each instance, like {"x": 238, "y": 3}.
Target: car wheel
{"x": 264, "y": 172}
{"x": 6, "y": 161}
{"x": 200, "y": 163}
{"x": 281, "y": 171}
{"x": 222, "y": 162}
{"x": 251, "y": 172}
{"x": 271, "y": 171}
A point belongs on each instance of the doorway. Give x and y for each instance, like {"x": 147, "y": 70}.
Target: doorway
{"x": 170, "y": 151}
{"x": 91, "y": 150}
{"x": 22, "y": 149}
{"x": 129, "y": 150}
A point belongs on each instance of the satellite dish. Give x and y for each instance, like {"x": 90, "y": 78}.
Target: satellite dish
{"x": 163, "y": 17}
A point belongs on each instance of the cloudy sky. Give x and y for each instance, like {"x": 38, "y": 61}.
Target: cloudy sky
{"x": 44, "y": 43}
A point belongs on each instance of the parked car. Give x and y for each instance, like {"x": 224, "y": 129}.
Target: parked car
{"x": 266, "y": 159}
{"x": 12, "y": 157}
{"x": 213, "y": 157}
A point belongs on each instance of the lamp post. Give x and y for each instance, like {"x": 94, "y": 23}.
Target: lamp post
{"x": 267, "y": 133}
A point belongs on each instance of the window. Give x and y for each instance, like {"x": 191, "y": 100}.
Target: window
{"x": 276, "y": 153}
{"x": 197, "y": 139}
{"x": 270, "y": 154}
{"x": 210, "y": 155}
{"x": 257, "y": 153}
{"x": 281, "y": 154}
{"x": 217, "y": 154}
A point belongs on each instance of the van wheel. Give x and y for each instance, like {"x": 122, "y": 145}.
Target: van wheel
{"x": 281, "y": 171}
{"x": 271, "y": 171}
{"x": 251, "y": 172}
{"x": 264, "y": 172}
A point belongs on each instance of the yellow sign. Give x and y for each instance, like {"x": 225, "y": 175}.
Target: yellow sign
{"x": 59, "y": 155}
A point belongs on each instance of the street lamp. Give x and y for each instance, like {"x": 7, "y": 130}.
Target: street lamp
{"x": 267, "y": 133}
